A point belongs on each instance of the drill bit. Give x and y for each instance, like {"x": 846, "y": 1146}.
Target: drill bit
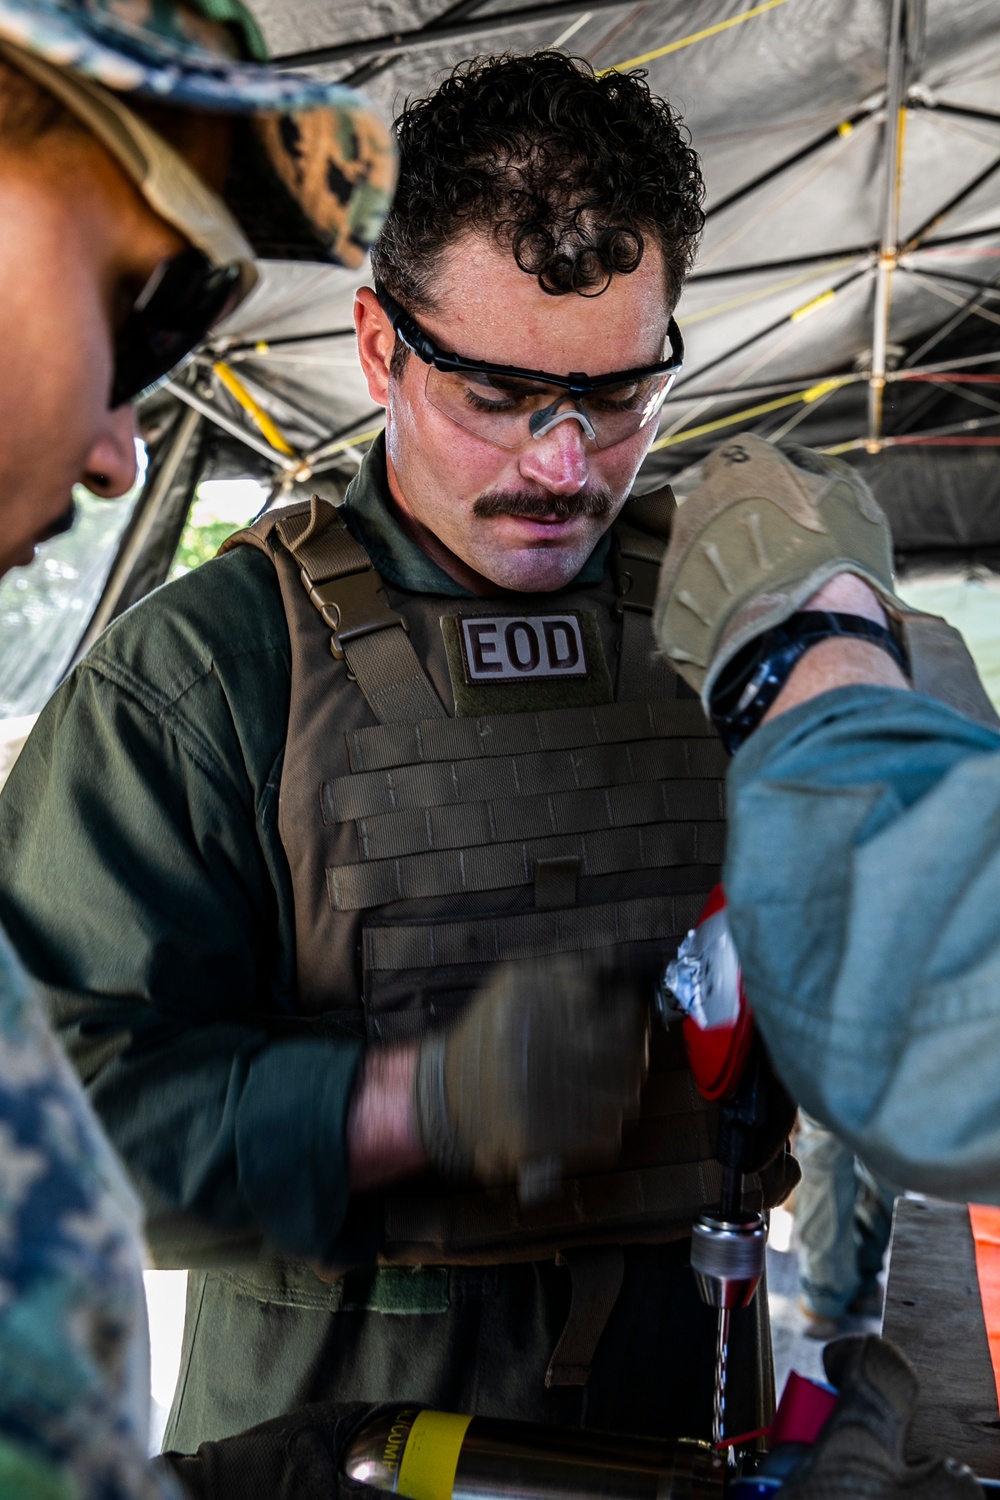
{"x": 721, "y": 1363}
{"x": 727, "y": 1258}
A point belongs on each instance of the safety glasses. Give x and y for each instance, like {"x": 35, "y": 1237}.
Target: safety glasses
{"x": 182, "y": 301}
{"x": 508, "y": 406}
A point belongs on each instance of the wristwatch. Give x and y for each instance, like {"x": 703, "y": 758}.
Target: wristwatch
{"x": 748, "y": 685}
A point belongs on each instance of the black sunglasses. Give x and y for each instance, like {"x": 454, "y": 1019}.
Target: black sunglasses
{"x": 182, "y": 301}
{"x": 576, "y": 383}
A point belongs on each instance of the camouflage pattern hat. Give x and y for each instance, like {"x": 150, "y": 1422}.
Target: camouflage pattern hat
{"x": 314, "y": 164}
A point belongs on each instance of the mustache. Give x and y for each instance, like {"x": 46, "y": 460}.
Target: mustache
{"x": 523, "y": 505}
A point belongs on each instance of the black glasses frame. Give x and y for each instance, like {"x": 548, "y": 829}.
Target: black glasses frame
{"x": 179, "y": 305}
{"x": 577, "y": 383}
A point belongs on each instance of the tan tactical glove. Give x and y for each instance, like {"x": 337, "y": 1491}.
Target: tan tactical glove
{"x": 536, "y": 1078}
{"x": 859, "y": 1455}
{"x": 765, "y": 529}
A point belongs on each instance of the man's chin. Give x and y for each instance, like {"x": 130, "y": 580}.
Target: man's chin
{"x": 538, "y": 569}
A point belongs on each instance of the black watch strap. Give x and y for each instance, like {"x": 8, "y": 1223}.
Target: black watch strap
{"x": 749, "y": 684}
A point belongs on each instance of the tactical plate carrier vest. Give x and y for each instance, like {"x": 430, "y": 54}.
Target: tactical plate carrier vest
{"x": 468, "y": 781}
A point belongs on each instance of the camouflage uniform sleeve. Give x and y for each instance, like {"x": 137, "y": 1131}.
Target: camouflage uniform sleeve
{"x": 74, "y": 1361}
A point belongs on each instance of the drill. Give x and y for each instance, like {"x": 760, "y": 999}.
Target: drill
{"x": 703, "y": 984}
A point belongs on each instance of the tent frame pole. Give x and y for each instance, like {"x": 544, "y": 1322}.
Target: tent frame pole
{"x": 393, "y": 43}
{"x": 889, "y": 222}
{"x": 206, "y": 409}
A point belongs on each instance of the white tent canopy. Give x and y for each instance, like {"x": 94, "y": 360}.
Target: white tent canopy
{"x": 846, "y": 294}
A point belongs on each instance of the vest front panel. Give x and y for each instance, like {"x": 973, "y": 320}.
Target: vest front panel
{"x": 422, "y": 854}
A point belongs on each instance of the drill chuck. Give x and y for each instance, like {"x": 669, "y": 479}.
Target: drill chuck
{"x": 727, "y": 1257}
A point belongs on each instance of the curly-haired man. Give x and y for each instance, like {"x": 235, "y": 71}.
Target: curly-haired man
{"x": 393, "y": 808}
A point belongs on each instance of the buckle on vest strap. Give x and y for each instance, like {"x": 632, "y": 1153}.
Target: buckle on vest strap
{"x": 351, "y": 606}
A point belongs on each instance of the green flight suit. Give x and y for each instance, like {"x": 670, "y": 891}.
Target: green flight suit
{"x": 148, "y": 889}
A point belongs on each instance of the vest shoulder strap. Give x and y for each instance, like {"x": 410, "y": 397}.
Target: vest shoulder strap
{"x": 638, "y": 542}
{"x": 343, "y": 585}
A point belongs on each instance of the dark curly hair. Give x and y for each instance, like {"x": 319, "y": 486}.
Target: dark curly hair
{"x": 569, "y": 170}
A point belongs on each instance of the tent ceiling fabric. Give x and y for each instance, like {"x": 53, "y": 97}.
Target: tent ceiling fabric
{"x": 786, "y": 102}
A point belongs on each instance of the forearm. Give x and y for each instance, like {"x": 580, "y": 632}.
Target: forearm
{"x": 73, "y": 1337}
{"x": 840, "y": 661}
{"x": 236, "y": 1140}
{"x": 863, "y": 854}
{"x": 861, "y": 874}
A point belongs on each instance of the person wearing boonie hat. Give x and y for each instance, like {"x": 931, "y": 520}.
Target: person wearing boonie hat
{"x": 313, "y": 164}
{"x": 279, "y": 165}
{"x": 144, "y": 164}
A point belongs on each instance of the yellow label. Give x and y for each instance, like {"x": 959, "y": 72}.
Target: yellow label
{"x": 427, "y": 1470}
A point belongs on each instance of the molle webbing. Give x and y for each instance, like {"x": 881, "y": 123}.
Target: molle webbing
{"x": 436, "y": 825}
{"x": 459, "y": 826}
{"x": 486, "y": 866}
{"x": 533, "y": 934}
{"x": 404, "y": 788}
{"x": 529, "y": 734}
{"x": 653, "y": 1205}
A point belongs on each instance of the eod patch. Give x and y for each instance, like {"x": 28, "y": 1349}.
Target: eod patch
{"x": 519, "y": 663}
{"x": 505, "y": 648}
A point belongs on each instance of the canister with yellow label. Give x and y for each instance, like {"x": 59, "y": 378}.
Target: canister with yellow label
{"x": 433, "y": 1455}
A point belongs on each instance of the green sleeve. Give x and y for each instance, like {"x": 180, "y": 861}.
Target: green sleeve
{"x": 147, "y": 890}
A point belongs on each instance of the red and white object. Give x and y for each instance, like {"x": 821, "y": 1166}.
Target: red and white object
{"x": 704, "y": 984}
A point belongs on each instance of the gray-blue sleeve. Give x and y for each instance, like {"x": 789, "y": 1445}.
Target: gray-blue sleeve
{"x": 863, "y": 876}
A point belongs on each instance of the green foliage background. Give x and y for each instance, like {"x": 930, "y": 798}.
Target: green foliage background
{"x": 198, "y": 544}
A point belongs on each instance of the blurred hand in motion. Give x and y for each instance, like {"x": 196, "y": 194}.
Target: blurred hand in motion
{"x": 538, "y": 1076}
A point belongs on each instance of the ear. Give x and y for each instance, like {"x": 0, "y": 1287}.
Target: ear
{"x": 376, "y": 341}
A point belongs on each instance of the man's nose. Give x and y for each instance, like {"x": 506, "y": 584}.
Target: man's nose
{"x": 559, "y": 461}
{"x": 110, "y": 466}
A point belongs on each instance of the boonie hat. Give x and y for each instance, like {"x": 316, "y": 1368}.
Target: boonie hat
{"x": 313, "y": 164}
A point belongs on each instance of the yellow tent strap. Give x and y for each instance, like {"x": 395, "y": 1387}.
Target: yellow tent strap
{"x": 811, "y": 393}
{"x": 239, "y": 392}
{"x": 697, "y": 36}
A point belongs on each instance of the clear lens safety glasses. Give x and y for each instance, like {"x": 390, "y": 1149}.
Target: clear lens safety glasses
{"x": 508, "y": 406}
{"x": 509, "y": 412}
